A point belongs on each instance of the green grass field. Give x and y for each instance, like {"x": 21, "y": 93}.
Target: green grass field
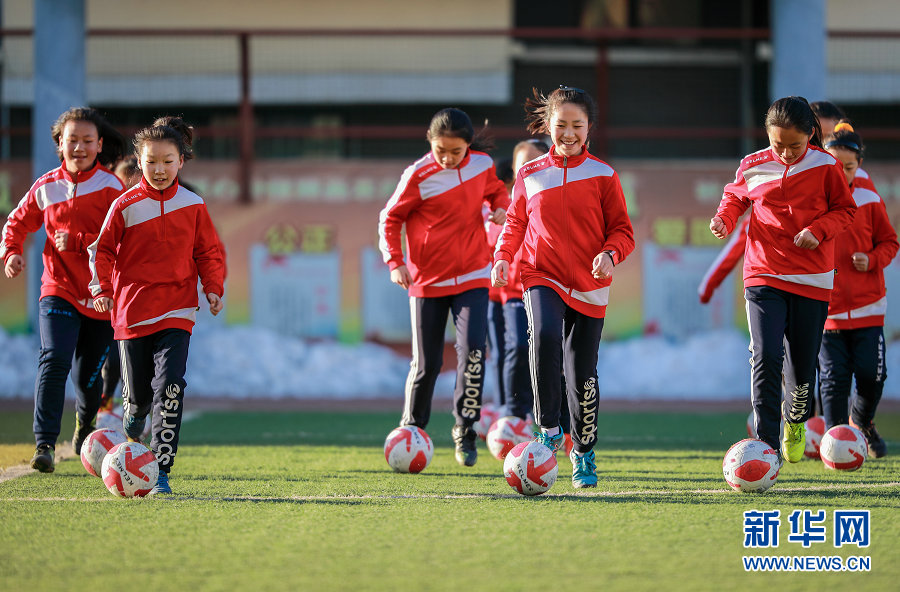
{"x": 291, "y": 500}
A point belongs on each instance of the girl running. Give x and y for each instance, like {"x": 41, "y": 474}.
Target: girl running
{"x": 70, "y": 202}
{"x": 853, "y": 343}
{"x": 800, "y": 203}
{"x": 156, "y": 240}
{"x": 569, "y": 216}
{"x": 439, "y": 199}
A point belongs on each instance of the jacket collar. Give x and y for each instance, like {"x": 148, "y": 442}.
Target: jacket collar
{"x": 80, "y": 176}
{"x": 572, "y": 161}
{"x": 164, "y": 195}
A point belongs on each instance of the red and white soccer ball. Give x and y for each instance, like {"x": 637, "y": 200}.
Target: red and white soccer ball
{"x": 489, "y": 414}
{"x": 96, "y": 446}
{"x": 408, "y": 449}
{"x": 129, "y": 470}
{"x": 815, "y": 429}
{"x": 843, "y": 448}
{"x": 530, "y": 468}
{"x": 505, "y": 433}
{"x": 751, "y": 466}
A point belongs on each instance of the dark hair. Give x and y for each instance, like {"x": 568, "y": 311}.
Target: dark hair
{"x": 126, "y": 169}
{"x": 540, "y": 109}
{"x": 795, "y": 112}
{"x": 504, "y": 170}
{"x": 539, "y": 145}
{"x": 168, "y": 129}
{"x": 846, "y": 137}
{"x": 113, "y": 141}
{"x": 454, "y": 123}
{"x": 827, "y": 110}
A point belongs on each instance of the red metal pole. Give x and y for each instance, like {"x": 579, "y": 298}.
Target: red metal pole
{"x": 246, "y": 123}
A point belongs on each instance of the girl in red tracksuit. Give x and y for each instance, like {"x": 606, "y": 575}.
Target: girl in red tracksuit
{"x": 70, "y": 202}
{"x": 853, "y": 344}
{"x": 569, "y": 217}
{"x": 447, "y": 267}
{"x": 156, "y": 239}
{"x": 800, "y": 203}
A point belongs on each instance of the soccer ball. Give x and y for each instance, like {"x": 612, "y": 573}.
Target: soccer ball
{"x": 530, "y": 468}
{"x": 96, "y": 446}
{"x": 568, "y": 444}
{"x": 110, "y": 420}
{"x": 843, "y": 448}
{"x": 130, "y": 470}
{"x": 505, "y": 433}
{"x": 815, "y": 429}
{"x": 751, "y": 466}
{"x": 489, "y": 414}
{"x": 408, "y": 449}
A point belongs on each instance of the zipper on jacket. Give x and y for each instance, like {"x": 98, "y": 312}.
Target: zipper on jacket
{"x": 162, "y": 214}
{"x": 460, "y": 265}
{"x": 571, "y": 281}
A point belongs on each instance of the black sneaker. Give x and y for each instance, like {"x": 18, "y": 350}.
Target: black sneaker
{"x": 133, "y": 426}
{"x": 82, "y": 431}
{"x": 877, "y": 445}
{"x": 464, "y": 437}
{"x": 43, "y": 458}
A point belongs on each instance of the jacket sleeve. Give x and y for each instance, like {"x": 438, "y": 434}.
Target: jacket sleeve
{"x": 884, "y": 239}
{"x": 102, "y": 254}
{"x": 735, "y": 201}
{"x": 82, "y": 240}
{"x": 495, "y": 192}
{"x": 841, "y": 206}
{"x": 25, "y": 218}
{"x": 209, "y": 257}
{"x": 728, "y": 257}
{"x": 405, "y": 199}
{"x": 619, "y": 235}
{"x": 513, "y": 232}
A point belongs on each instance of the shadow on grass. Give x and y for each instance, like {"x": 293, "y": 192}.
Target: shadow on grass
{"x": 263, "y": 500}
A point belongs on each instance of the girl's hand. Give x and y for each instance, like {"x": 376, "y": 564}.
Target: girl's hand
{"x": 718, "y": 228}
{"x": 500, "y": 273}
{"x": 103, "y": 304}
{"x": 215, "y": 303}
{"x": 61, "y": 238}
{"x": 14, "y": 266}
{"x": 603, "y": 266}
{"x": 860, "y": 262}
{"x": 806, "y": 240}
{"x": 401, "y": 277}
{"x": 498, "y": 216}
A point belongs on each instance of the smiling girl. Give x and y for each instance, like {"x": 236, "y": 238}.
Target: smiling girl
{"x": 439, "y": 199}
{"x": 568, "y": 214}
{"x": 800, "y": 201}
{"x": 156, "y": 240}
{"x": 70, "y": 202}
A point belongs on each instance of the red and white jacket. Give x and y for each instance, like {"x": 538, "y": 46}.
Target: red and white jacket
{"x": 859, "y": 298}
{"x": 152, "y": 248}
{"x": 77, "y": 204}
{"x": 725, "y": 261}
{"x": 445, "y": 238}
{"x": 811, "y": 193}
{"x": 565, "y": 211}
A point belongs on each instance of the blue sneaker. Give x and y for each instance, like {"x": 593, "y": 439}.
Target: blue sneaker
{"x": 554, "y": 443}
{"x": 134, "y": 426}
{"x": 162, "y": 484}
{"x": 584, "y": 470}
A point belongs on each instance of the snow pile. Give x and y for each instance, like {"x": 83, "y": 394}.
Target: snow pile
{"x": 247, "y": 362}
